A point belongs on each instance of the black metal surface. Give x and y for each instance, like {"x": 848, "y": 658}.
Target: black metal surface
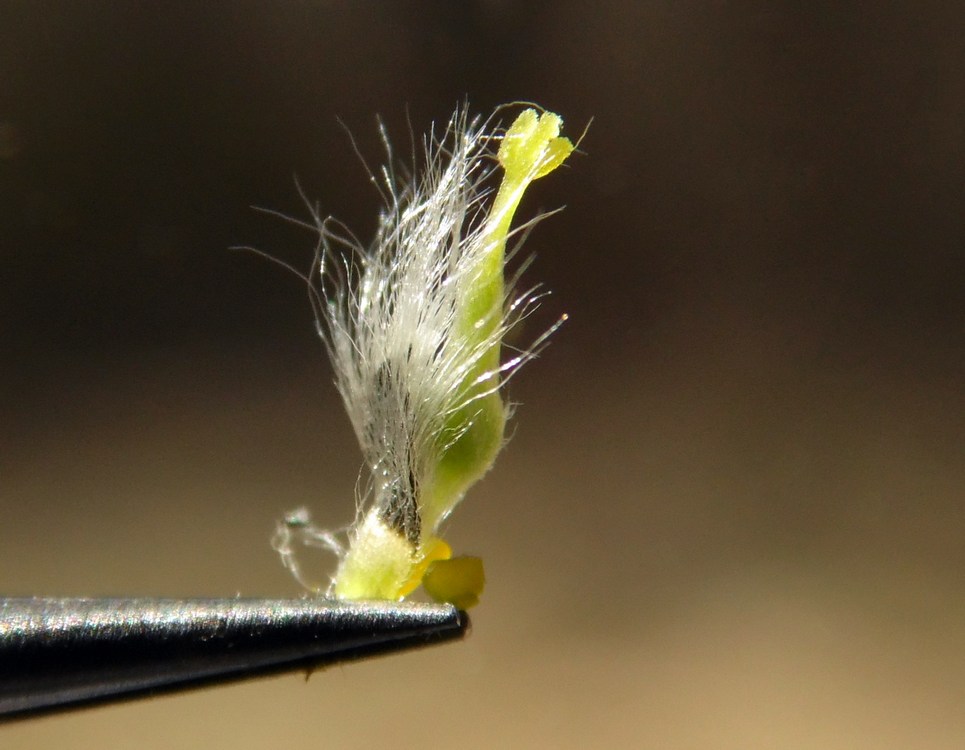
{"x": 57, "y": 653}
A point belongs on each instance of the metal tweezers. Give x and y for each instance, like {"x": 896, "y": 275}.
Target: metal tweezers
{"x": 63, "y": 653}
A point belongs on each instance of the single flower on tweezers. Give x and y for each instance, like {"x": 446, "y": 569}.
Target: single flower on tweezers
{"x": 413, "y": 326}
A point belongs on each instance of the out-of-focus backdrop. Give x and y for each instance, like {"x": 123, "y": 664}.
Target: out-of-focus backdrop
{"x": 732, "y": 513}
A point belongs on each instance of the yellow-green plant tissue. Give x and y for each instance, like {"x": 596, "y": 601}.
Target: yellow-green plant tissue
{"x": 413, "y": 325}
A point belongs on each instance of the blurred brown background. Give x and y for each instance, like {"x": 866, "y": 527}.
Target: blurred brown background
{"x": 731, "y": 515}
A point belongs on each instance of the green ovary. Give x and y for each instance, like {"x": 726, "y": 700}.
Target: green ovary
{"x": 531, "y": 148}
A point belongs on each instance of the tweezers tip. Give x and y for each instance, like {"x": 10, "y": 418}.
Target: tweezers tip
{"x": 56, "y": 653}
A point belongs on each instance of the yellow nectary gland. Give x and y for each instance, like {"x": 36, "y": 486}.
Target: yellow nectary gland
{"x": 459, "y": 581}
